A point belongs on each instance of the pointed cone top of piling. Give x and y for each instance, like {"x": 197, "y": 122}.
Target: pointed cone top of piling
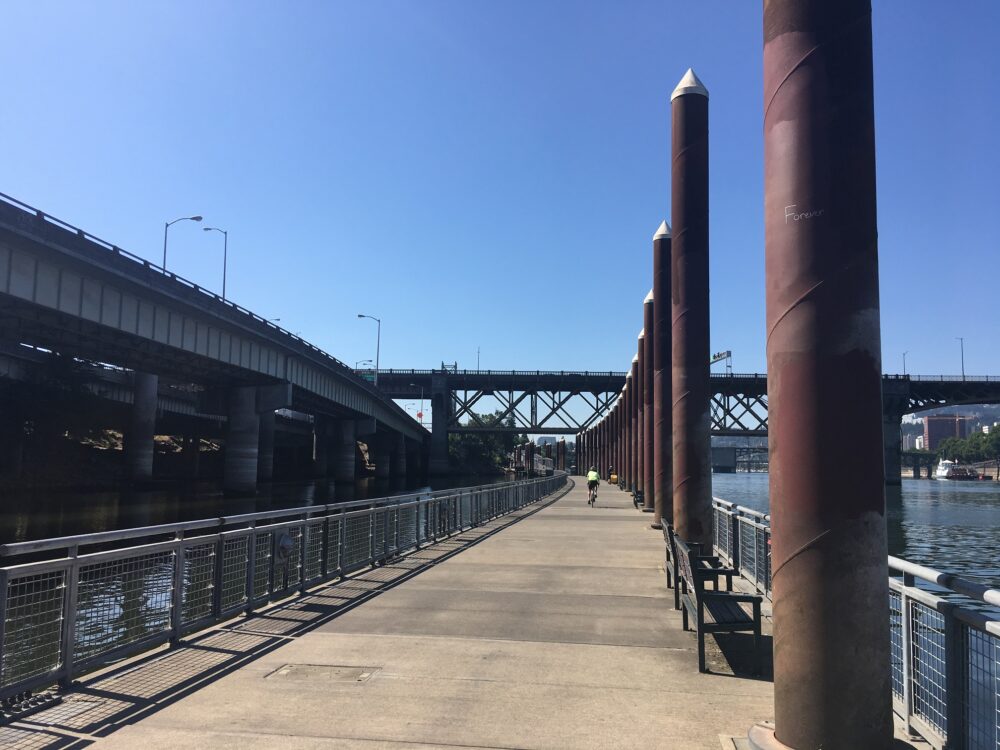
{"x": 649, "y": 298}
{"x": 635, "y": 359}
{"x": 642, "y": 334}
{"x": 690, "y": 84}
{"x": 663, "y": 231}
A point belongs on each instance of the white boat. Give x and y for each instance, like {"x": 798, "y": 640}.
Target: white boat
{"x": 952, "y": 470}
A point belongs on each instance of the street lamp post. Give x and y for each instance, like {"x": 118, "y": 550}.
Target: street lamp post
{"x": 421, "y": 402}
{"x": 225, "y": 255}
{"x": 904, "y": 362}
{"x": 166, "y": 226}
{"x": 378, "y": 341}
{"x": 961, "y": 342}
{"x": 362, "y": 362}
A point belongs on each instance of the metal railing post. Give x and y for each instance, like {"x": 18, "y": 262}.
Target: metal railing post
{"x": 954, "y": 680}
{"x": 177, "y": 595}
{"x": 68, "y": 634}
{"x": 906, "y": 644}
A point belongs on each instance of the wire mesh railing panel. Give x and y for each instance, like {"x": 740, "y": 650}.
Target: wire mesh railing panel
{"x": 378, "y": 526}
{"x": 314, "y": 550}
{"x": 896, "y": 642}
{"x": 333, "y": 545}
{"x": 982, "y": 705}
{"x": 199, "y": 582}
{"x": 761, "y": 558}
{"x": 357, "y": 540}
{"x": 407, "y": 527}
{"x": 122, "y": 601}
{"x": 927, "y": 666}
{"x": 293, "y": 562}
{"x": 263, "y": 553}
{"x": 233, "y": 582}
{"x": 32, "y": 626}
{"x": 748, "y": 551}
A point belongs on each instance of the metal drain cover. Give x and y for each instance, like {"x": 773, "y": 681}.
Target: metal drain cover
{"x": 322, "y": 673}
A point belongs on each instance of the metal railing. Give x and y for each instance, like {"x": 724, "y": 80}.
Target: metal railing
{"x": 73, "y": 604}
{"x": 944, "y": 635}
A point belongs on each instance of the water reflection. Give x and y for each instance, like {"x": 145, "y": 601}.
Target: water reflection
{"x": 44, "y": 514}
{"x": 946, "y": 525}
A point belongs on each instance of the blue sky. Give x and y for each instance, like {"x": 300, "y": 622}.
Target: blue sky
{"x": 487, "y": 174}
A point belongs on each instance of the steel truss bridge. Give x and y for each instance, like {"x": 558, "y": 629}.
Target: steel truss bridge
{"x": 540, "y": 402}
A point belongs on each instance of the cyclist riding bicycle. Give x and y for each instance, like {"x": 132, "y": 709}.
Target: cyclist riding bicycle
{"x": 593, "y": 479}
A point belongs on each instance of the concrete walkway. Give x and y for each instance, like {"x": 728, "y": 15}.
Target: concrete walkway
{"x": 554, "y": 632}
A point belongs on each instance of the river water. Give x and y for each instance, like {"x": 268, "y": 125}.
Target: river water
{"x": 950, "y": 526}
{"x": 29, "y": 515}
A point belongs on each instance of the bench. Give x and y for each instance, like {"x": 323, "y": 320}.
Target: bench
{"x": 712, "y": 611}
{"x": 708, "y": 566}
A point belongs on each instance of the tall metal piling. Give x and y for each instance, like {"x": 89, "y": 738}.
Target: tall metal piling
{"x": 831, "y": 625}
{"x": 648, "y": 446}
{"x": 640, "y": 413}
{"x": 692, "y": 471}
{"x": 662, "y": 410}
{"x": 633, "y": 425}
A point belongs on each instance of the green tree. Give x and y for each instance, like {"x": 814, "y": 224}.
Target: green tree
{"x": 483, "y": 452}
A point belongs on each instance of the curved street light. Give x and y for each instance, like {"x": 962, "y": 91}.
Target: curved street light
{"x": 166, "y": 226}
{"x": 225, "y": 254}
{"x": 378, "y": 341}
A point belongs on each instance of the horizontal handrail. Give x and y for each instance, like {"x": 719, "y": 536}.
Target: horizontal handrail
{"x": 978, "y": 591}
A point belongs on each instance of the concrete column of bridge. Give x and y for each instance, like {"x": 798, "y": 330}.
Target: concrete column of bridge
{"x": 239, "y": 474}
{"x": 397, "y": 464}
{"x": 662, "y": 397}
{"x": 440, "y": 413}
{"x": 692, "y": 450}
{"x": 648, "y": 446}
{"x": 345, "y": 450}
{"x": 383, "y": 446}
{"x": 11, "y": 446}
{"x": 142, "y": 426}
{"x": 191, "y": 455}
{"x": 321, "y": 446}
{"x": 265, "y": 446}
{"x": 829, "y": 568}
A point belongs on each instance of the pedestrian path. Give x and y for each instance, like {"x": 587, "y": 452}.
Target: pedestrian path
{"x": 552, "y": 629}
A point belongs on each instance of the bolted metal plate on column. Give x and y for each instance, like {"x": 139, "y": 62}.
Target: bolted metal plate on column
{"x": 322, "y": 673}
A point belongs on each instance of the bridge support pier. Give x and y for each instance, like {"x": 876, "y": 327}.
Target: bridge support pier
{"x": 440, "y": 411}
{"x": 242, "y": 438}
{"x": 382, "y": 445}
{"x": 265, "y": 447}
{"x": 397, "y": 462}
{"x": 321, "y": 447}
{"x": 191, "y": 453}
{"x": 11, "y": 447}
{"x": 345, "y": 451}
{"x": 142, "y": 426}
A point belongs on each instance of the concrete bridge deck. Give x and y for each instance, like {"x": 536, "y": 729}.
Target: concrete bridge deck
{"x": 554, "y": 632}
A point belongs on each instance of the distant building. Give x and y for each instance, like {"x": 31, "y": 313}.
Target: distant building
{"x": 942, "y": 426}
{"x": 918, "y": 443}
{"x": 910, "y": 442}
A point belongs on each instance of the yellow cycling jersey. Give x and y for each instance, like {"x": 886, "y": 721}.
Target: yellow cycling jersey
{"x": 593, "y": 476}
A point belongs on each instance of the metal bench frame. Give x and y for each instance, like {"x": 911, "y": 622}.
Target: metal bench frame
{"x": 694, "y": 600}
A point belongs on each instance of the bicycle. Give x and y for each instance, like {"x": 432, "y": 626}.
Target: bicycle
{"x": 593, "y": 496}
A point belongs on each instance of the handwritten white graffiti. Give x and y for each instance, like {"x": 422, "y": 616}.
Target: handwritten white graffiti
{"x": 791, "y": 213}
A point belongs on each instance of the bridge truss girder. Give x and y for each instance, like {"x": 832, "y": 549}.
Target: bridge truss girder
{"x": 533, "y": 411}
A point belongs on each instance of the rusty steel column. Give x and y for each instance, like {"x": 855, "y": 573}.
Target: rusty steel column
{"x": 689, "y": 312}
{"x": 627, "y": 432}
{"x": 640, "y": 413}
{"x": 648, "y": 446}
{"x": 662, "y": 422}
{"x": 831, "y": 629}
{"x": 633, "y": 427}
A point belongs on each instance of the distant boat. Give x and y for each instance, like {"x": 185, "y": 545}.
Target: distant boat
{"x": 951, "y": 470}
